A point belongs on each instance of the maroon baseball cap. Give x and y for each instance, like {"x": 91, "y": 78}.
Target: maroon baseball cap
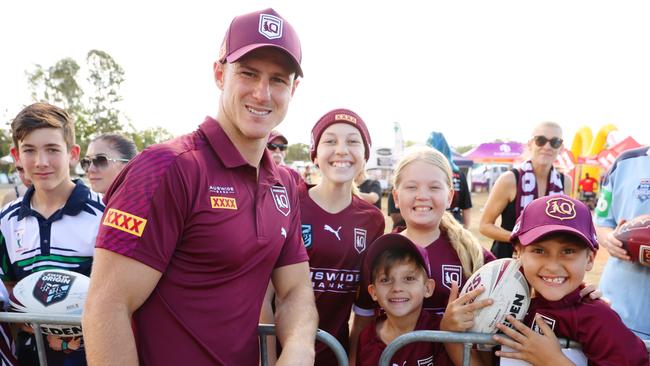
{"x": 265, "y": 28}
{"x": 555, "y": 214}
{"x": 276, "y": 134}
{"x": 394, "y": 241}
{"x": 340, "y": 115}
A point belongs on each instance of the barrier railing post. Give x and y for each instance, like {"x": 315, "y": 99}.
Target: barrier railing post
{"x": 40, "y": 345}
{"x": 264, "y": 330}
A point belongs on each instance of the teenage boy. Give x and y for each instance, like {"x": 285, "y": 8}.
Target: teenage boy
{"x": 55, "y": 223}
{"x": 399, "y": 275}
{"x": 555, "y": 239}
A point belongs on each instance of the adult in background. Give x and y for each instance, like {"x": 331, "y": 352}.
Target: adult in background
{"x": 369, "y": 189}
{"x": 516, "y": 188}
{"x": 106, "y": 156}
{"x": 586, "y": 186}
{"x": 278, "y": 145}
{"x": 625, "y": 194}
{"x": 21, "y": 183}
{"x": 461, "y": 205}
{"x": 196, "y": 227}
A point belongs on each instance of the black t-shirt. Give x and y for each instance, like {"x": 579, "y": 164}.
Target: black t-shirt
{"x": 371, "y": 185}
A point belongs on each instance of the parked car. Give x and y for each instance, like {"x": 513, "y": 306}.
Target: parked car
{"x": 482, "y": 177}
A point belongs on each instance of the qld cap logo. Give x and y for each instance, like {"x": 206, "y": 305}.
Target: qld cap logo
{"x": 560, "y": 208}
{"x": 270, "y": 26}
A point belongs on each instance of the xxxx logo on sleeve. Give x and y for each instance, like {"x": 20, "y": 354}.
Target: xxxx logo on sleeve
{"x": 228, "y": 203}
{"x": 124, "y": 221}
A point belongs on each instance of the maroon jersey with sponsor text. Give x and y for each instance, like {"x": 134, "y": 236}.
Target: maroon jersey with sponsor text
{"x": 445, "y": 267}
{"x": 196, "y": 211}
{"x": 604, "y": 338}
{"x": 336, "y": 244}
{"x": 414, "y": 354}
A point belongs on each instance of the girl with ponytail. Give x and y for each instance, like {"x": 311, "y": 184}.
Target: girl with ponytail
{"x": 423, "y": 192}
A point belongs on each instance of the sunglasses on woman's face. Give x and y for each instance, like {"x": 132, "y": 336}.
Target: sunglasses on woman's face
{"x": 272, "y": 147}
{"x": 100, "y": 161}
{"x": 542, "y": 140}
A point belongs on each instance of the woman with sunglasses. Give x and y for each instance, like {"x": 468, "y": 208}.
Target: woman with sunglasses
{"x": 106, "y": 156}
{"x": 516, "y": 188}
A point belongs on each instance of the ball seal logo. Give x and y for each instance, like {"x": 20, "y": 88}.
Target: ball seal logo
{"x": 227, "y": 203}
{"x": 125, "y": 221}
{"x": 52, "y": 288}
{"x": 560, "y": 208}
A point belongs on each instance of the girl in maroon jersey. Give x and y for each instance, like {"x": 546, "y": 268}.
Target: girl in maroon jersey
{"x": 423, "y": 191}
{"x": 337, "y": 229}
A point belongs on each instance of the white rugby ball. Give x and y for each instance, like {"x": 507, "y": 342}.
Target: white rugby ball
{"x": 53, "y": 291}
{"x": 506, "y": 285}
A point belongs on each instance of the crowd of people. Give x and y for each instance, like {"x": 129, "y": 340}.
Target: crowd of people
{"x": 218, "y": 235}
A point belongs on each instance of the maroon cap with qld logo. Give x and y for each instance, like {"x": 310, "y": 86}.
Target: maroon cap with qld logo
{"x": 555, "y": 214}
{"x": 394, "y": 241}
{"x": 265, "y": 28}
{"x": 340, "y": 115}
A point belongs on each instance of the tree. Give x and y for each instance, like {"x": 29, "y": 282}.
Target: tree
{"x": 463, "y": 149}
{"x": 95, "y": 109}
{"x": 149, "y": 136}
{"x": 297, "y": 152}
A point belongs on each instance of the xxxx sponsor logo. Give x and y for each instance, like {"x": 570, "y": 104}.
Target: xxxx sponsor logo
{"x": 125, "y": 221}
{"x": 228, "y": 203}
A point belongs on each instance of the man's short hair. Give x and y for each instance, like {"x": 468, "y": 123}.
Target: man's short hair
{"x": 42, "y": 115}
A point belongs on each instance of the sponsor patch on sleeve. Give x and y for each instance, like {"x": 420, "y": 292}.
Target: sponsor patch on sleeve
{"x": 228, "y": 203}
{"x": 125, "y": 221}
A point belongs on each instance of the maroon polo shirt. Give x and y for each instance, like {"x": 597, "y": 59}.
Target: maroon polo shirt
{"x": 193, "y": 209}
{"x": 336, "y": 244}
{"x": 605, "y": 339}
{"x": 414, "y": 354}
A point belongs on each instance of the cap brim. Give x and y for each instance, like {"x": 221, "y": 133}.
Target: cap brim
{"x": 392, "y": 240}
{"x": 236, "y": 55}
{"x": 536, "y": 233}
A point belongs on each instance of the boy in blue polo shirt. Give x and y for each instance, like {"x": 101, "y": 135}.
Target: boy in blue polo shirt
{"x": 55, "y": 224}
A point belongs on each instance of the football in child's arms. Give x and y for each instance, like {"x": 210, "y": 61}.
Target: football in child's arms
{"x": 506, "y": 285}
{"x": 635, "y": 235}
{"x": 52, "y": 292}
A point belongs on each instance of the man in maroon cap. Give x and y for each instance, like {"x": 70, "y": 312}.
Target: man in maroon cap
{"x": 194, "y": 228}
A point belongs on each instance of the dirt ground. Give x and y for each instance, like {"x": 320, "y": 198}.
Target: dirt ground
{"x": 478, "y": 201}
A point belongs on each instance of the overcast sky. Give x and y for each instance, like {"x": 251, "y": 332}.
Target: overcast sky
{"x": 475, "y": 70}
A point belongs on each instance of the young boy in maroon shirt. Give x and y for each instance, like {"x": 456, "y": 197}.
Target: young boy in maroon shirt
{"x": 556, "y": 241}
{"x": 399, "y": 274}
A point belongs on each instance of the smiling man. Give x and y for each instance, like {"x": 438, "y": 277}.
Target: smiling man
{"x": 197, "y": 226}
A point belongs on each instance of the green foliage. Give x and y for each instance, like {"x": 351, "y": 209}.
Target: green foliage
{"x": 94, "y": 103}
{"x": 149, "y": 136}
{"x": 297, "y": 152}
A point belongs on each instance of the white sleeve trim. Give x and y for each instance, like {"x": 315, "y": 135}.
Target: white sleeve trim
{"x": 363, "y": 312}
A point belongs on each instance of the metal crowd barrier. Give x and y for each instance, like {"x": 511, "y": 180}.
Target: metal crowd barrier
{"x": 265, "y": 330}
{"x": 467, "y": 339}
